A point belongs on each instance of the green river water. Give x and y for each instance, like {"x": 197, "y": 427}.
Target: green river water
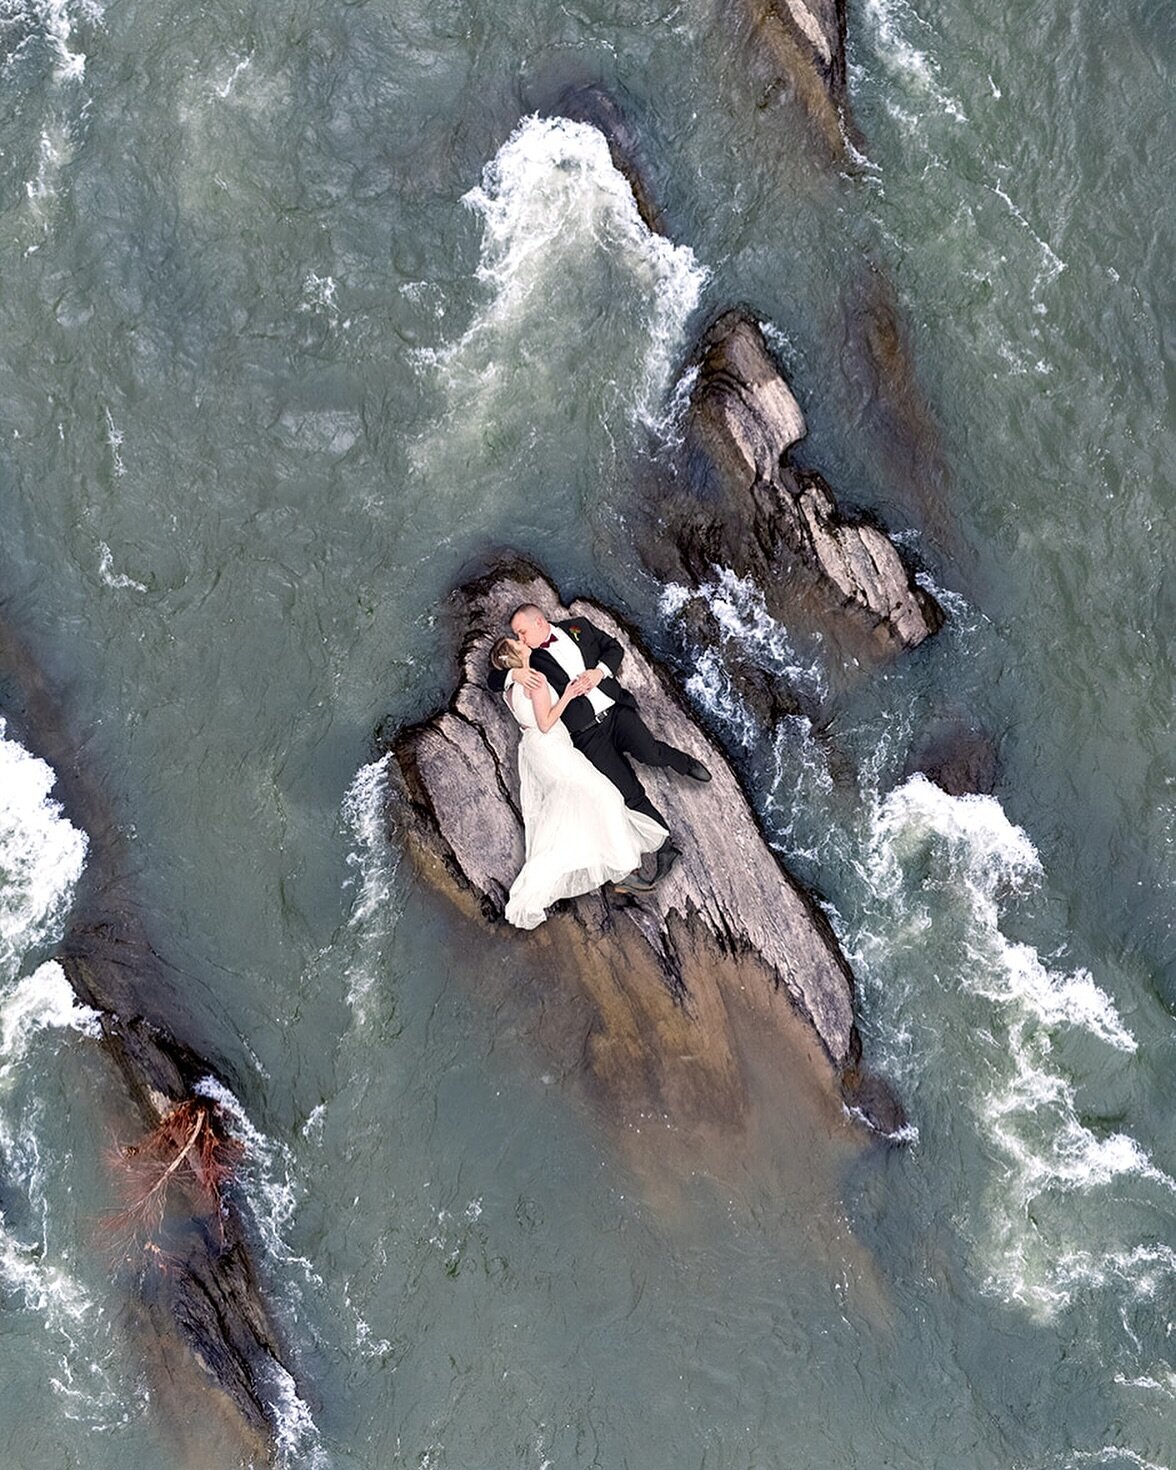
{"x": 303, "y": 308}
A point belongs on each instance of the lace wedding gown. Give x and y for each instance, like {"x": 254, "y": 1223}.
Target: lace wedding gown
{"x": 578, "y": 833}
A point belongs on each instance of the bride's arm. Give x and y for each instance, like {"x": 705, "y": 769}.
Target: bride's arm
{"x": 546, "y": 713}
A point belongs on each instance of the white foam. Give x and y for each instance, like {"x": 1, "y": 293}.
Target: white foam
{"x": 41, "y": 855}
{"x": 363, "y": 811}
{"x": 801, "y": 775}
{"x": 223, "y": 90}
{"x": 52, "y": 152}
{"x": 1142, "y": 1272}
{"x": 35, "y": 1003}
{"x": 114, "y": 438}
{"x": 993, "y": 850}
{"x": 320, "y": 293}
{"x": 111, "y": 578}
{"x": 888, "y": 18}
{"x": 992, "y": 856}
{"x": 1052, "y": 264}
{"x": 712, "y": 690}
{"x": 79, "y": 1361}
{"x": 560, "y": 233}
{"x": 551, "y": 184}
{"x": 669, "y": 429}
{"x": 80, "y": 1355}
{"x": 779, "y": 341}
{"x": 41, "y": 1286}
{"x": 295, "y": 1432}
{"x": 58, "y": 20}
{"x": 1113, "y": 1455}
{"x": 738, "y": 607}
{"x": 54, "y": 21}
{"x": 1023, "y": 1093}
{"x": 890, "y": 25}
{"x": 374, "y": 862}
{"x": 270, "y": 1167}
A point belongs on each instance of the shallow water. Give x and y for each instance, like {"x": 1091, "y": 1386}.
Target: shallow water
{"x": 299, "y": 317}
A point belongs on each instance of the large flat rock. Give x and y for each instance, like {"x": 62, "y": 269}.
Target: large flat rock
{"x": 659, "y": 982}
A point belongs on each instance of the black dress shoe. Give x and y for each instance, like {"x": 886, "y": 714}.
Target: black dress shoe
{"x": 697, "y": 771}
{"x": 667, "y": 856}
{"x": 634, "y": 883}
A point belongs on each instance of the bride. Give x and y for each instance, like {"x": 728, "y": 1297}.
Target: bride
{"x": 578, "y": 832}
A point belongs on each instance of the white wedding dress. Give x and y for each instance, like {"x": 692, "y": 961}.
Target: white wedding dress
{"x": 578, "y": 833}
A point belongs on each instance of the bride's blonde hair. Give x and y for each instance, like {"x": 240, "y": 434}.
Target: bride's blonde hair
{"x": 504, "y": 656}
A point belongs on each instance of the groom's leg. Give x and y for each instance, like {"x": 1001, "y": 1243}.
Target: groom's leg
{"x": 632, "y": 736}
{"x": 597, "y": 744}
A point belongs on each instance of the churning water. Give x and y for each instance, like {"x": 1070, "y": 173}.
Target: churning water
{"x": 306, "y": 306}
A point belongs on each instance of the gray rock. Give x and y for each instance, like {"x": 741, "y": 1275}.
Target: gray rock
{"x": 743, "y": 505}
{"x": 661, "y": 978}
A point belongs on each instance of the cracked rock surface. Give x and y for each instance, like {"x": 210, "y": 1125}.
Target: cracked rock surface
{"x": 656, "y": 983}
{"x": 764, "y": 518}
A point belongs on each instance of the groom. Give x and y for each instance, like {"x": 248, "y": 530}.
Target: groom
{"x": 603, "y": 722}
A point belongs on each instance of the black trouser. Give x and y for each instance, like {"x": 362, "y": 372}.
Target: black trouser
{"x": 622, "y": 733}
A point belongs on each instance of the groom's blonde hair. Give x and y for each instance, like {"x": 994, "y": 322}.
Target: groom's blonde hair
{"x": 504, "y": 655}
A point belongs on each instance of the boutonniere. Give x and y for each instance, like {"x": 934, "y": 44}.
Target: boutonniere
{"x": 574, "y": 630}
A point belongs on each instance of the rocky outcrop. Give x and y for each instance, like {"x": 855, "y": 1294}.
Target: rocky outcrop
{"x": 655, "y": 992}
{"x": 205, "y": 1309}
{"x": 204, "y": 1319}
{"x": 743, "y": 505}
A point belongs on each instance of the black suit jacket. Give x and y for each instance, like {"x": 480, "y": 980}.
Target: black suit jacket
{"x": 596, "y": 647}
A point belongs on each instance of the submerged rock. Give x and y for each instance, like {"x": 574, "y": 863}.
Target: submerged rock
{"x": 960, "y": 759}
{"x": 204, "y": 1306}
{"x": 590, "y": 103}
{"x": 803, "y": 43}
{"x": 202, "y": 1310}
{"x": 744, "y": 506}
{"x": 655, "y": 994}
{"x": 888, "y": 404}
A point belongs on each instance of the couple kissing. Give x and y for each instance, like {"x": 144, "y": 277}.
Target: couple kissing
{"x": 586, "y": 818}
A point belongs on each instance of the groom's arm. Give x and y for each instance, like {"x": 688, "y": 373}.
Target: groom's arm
{"x": 608, "y": 652}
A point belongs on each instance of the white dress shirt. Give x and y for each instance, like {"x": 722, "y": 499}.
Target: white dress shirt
{"x": 566, "y": 652}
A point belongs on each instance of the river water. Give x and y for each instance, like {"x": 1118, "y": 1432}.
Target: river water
{"x": 303, "y": 308}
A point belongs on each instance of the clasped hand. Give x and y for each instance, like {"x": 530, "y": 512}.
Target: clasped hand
{"x": 531, "y": 679}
